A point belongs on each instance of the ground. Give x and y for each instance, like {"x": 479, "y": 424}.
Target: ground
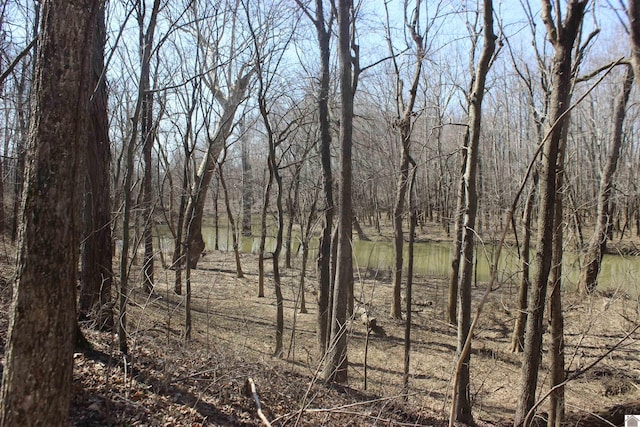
{"x": 172, "y": 383}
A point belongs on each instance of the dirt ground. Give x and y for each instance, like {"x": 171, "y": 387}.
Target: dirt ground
{"x": 230, "y": 319}
{"x": 170, "y": 382}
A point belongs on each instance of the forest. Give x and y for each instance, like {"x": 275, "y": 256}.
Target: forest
{"x": 319, "y": 212}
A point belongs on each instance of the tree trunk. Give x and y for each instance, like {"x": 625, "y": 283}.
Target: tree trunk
{"x": 263, "y": 232}
{"x": 413, "y": 218}
{"x": 232, "y": 222}
{"x": 323, "y": 32}
{"x": 195, "y": 208}
{"x": 37, "y": 379}
{"x": 398, "y": 215}
{"x": 96, "y": 273}
{"x": 178, "y": 255}
{"x": 452, "y": 305}
{"x": 147, "y": 134}
{"x": 562, "y": 35}
{"x": 292, "y": 210}
{"x": 23, "y": 124}
{"x": 306, "y": 238}
{"x": 404, "y": 123}
{"x": 335, "y": 369}
{"x": 462, "y": 393}
{"x": 276, "y": 256}
{"x": 598, "y": 241}
{"x": 247, "y": 188}
{"x": 556, "y": 347}
{"x": 517, "y": 339}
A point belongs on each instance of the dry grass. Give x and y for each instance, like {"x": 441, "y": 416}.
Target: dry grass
{"x": 229, "y": 318}
{"x": 171, "y": 382}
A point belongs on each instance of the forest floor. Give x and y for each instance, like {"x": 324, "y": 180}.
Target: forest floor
{"x": 172, "y": 383}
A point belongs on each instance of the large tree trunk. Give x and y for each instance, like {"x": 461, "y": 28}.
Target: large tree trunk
{"x": 598, "y": 241}
{"x": 96, "y": 273}
{"x": 336, "y": 363}
{"x": 562, "y": 35}
{"x": 195, "y": 208}
{"x": 37, "y": 379}
{"x": 463, "y": 392}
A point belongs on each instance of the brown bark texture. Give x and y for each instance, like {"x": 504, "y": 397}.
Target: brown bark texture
{"x": 335, "y": 369}
{"x": 36, "y": 385}
{"x": 96, "y": 273}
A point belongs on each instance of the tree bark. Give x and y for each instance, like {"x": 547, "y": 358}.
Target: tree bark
{"x": 323, "y": 32}
{"x": 517, "y": 339}
{"x": 96, "y": 273}
{"x": 37, "y": 379}
{"x": 413, "y": 218}
{"x": 598, "y": 242}
{"x": 335, "y": 369}
{"x": 276, "y": 255}
{"x": 463, "y": 394}
{"x": 562, "y": 36}
{"x": 556, "y": 347}
{"x": 263, "y": 230}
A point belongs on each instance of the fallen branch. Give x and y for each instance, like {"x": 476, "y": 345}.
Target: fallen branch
{"x": 250, "y": 391}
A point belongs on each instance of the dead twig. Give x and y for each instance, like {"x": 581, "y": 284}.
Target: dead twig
{"x": 250, "y": 390}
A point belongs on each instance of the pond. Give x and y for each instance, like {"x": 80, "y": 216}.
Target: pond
{"x": 433, "y": 259}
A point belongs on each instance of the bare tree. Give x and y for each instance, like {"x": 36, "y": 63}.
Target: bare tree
{"x": 37, "y": 379}
{"x": 405, "y": 116}
{"x": 562, "y": 34}
{"x": 323, "y": 33}
{"x": 335, "y": 368}
{"x": 462, "y": 394}
{"x": 234, "y": 75}
{"x": 598, "y": 242}
{"x": 147, "y": 134}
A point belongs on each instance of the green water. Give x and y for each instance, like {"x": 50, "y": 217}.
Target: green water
{"x": 433, "y": 259}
